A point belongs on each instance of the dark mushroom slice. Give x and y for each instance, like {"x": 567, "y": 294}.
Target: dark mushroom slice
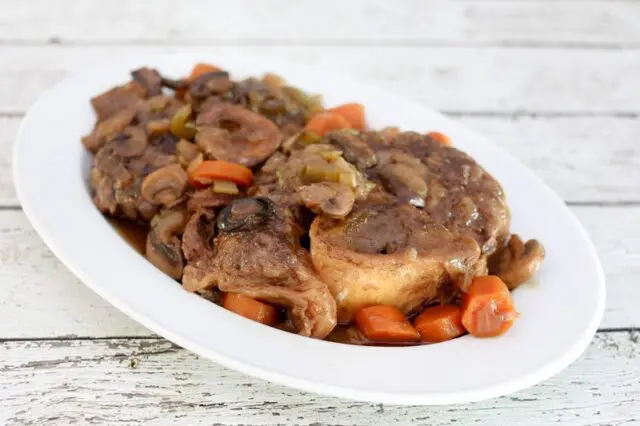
{"x": 329, "y": 198}
{"x": 354, "y": 149}
{"x": 165, "y": 185}
{"x": 231, "y": 133}
{"x": 164, "y": 248}
{"x": 516, "y": 262}
{"x": 245, "y": 214}
{"x": 150, "y": 79}
{"x": 131, "y": 142}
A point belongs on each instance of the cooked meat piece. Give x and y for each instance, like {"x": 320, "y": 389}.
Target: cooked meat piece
{"x": 230, "y": 133}
{"x": 117, "y": 99}
{"x": 149, "y": 79}
{"x": 389, "y": 253}
{"x": 163, "y": 245}
{"x": 460, "y": 194}
{"x": 165, "y": 185}
{"x": 333, "y": 199}
{"x": 207, "y": 199}
{"x": 278, "y": 270}
{"x": 197, "y": 239}
{"x": 107, "y": 128}
{"x": 516, "y": 262}
{"x": 210, "y": 84}
{"x": 119, "y": 169}
{"x": 354, "y": 149}
{"x": 131, "y": 142}
{"x": 403, "y": 181}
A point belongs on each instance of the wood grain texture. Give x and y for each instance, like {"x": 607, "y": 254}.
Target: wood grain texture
{"x": 33, "y": 280}
{"x": 594, "y": 159}
{"x": 477, "y": 80}
{"x": 605, "y": 24}
{"x": 155, "y": 382}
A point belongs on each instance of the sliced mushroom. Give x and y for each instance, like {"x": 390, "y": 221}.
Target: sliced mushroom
{"x": 131, "y": 142}
{"x": 517, "y": 262}
{"x": 405, "y": 182}
{"x": 333, "y": 199}
{"x": 354, "y": 149}
{"x": 164, "y": 248}
{"x": 165, "y": 185}
{"x": 187, "y": 152}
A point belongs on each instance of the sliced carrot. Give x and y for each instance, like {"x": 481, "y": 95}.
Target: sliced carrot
{"x": 200, "y": 69}
{"x": 440, "y": 138}
{"x": 250, "y": 308}
{"x": 487, "y": 307}
{"x": 439, "y": 323}
{"x": 210, "y": 170}
{"x": 353, "y": 113}
{"x": 326, "y": 122}
{"x": 385, "y": 323}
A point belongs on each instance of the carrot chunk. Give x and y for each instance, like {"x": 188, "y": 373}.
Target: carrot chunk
{"x": 487, "y": 307}
{"x": 211, "y": 170}
{"x": 326, "y": 122}
{"x": 440, "y": 138}
{"x": 384, "y": 323}
{"x": 353, "y": 113}
{"x": 250, "y": 308}
{"x": 439, "y": 323}
{"x": 201, "y": 69}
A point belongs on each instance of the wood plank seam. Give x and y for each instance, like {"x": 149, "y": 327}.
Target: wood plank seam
{"x": 634, "y": 333}
{"x": 284, "y": 42}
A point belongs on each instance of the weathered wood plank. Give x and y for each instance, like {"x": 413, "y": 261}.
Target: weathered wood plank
{"x": 584, "y": 159}
{"x": 154, "y": 382}
{"x": 600, "y": 23}
{"x": 453, "y": 79}
{"x": 34, "y": 281}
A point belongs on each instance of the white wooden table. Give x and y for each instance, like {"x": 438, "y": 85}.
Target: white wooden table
{"x": 557, "y": 83}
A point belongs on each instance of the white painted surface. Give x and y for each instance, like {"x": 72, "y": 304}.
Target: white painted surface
{"x": 480, "y": 80}
{"x": 59, "y": 382}
{"x": 358, "y": 22}
{"x": 571, "y": 58}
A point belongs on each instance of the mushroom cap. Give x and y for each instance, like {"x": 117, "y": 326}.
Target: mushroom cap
{"x": 163, "y": 247}
{"x": 517, "y": 262}
{"x": 165, "y": 185}
{"x": 330, "y": 198}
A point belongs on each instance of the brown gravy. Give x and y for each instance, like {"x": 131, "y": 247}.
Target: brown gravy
{"x": 133, "y": 233}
